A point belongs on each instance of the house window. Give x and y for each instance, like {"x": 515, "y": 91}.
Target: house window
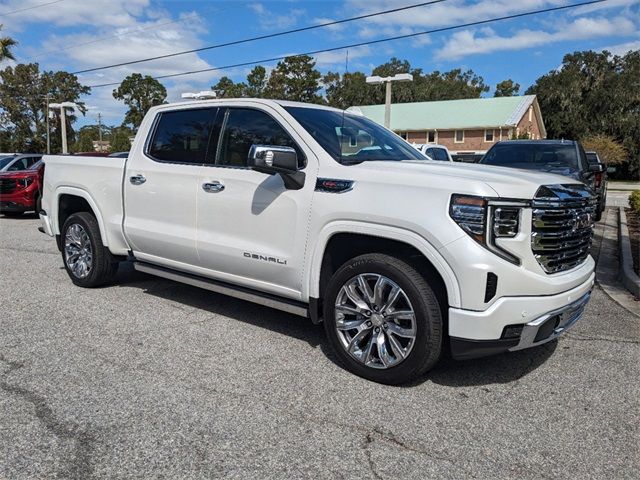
{"x": 459, "y": 136}
{"x": 403, "y": 135}
{"x": 530, "y": 112}
{"x": 488, "y": 135}
{"x": 431, "y": 136}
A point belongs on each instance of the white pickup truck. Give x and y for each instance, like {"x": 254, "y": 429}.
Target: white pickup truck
{"x": 325, "y": 214}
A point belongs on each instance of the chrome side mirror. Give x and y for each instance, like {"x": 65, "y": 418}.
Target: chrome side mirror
{"x": 275, "y": 159}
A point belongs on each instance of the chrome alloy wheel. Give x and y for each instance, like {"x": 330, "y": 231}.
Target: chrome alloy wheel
{"x": 77, "y": 251}
{"x": 375, "y": 321}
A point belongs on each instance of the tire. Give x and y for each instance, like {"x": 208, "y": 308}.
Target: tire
{"x": 80, "y": 233}
{"x": 416, "y": 295}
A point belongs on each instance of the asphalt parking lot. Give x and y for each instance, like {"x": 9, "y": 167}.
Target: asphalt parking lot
{"x": 153, "y": 379}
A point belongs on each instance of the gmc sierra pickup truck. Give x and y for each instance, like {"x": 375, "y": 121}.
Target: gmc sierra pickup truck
{"x": 327, "y": 215}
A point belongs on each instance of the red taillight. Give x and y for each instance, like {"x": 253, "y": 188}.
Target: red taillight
{"x": 598, "y": 180}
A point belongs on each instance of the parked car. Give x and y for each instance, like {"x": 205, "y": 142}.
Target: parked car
{"x": 434, "y": 152}
{"x": 562, "y": 157}
{"x": 14, "y": 163}
{"x": 263, "y": 200}
{"x": 21, "y": 191}
{"x": 599, "y": 178}
{"x": 119, "y": 154}
{"x": 467, "y": 157}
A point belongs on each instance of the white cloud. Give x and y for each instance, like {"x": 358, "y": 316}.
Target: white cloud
{"x": 471, "y": 42}
{"x": 622, "y": 48}
{"x": 269, "y": 20}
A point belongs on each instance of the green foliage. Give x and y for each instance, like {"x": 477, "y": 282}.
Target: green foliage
{"x": 86, "y": 136}
{"x": 594, "y": 93}
{"x": 139, "y": 94}
{"x": 23, "y": 91}
{"x": 6, "y": 44}
{"x": 507, "y": 88}
{"x": 256, "y": 82}
{"x": 634, "y": 201}
{"x": 523, "y": 135}
{"x": 295, "y": 78}
{"x": 350, "y": 89}
{"x": 120, "y": 140}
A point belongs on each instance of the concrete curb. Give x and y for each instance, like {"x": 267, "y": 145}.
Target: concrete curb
{"x": 628, "y": 276}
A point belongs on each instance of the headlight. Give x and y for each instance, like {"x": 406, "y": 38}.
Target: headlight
{"x": 24, "y": 182}
{"x": 473, "y": 213}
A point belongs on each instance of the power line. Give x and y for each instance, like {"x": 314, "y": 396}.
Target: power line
{"x": 262, "y": 37}
{"x": 30, "y": 8}
{"x": 371, "y": 42}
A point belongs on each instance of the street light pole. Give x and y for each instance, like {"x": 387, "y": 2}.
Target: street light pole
{"x": 63, "y": 121}
{"x": 375, "y": 80}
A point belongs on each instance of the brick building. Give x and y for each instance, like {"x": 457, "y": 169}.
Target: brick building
{"x": 463, "y": 125}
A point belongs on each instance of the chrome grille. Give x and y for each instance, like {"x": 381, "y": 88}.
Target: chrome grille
{"x": 562, "y": 226}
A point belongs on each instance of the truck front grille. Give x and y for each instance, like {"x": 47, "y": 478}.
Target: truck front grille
{"x": 562, "y": 226}
{"x": 7, "y": 185}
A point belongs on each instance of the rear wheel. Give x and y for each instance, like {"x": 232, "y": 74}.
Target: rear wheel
{"x": 86, "y": 259}
{"x": 383, "y": 319}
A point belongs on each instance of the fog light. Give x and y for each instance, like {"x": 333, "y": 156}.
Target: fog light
{"x": 512, "y": 331}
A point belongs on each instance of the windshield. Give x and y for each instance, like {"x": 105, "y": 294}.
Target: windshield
{"x": 4, "y": 161}
{"x": 351, "y": 139}
{"x": 532, "y": 156}
{"x": 438, "y": 154}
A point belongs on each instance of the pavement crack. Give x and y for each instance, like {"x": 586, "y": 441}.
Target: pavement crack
{"x": 368, "y": 440}
{"x": 80, "y": 466}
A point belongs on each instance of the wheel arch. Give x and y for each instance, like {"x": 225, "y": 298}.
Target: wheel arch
{"x": 392, "y": 240}
{"x": 70, "y": 200}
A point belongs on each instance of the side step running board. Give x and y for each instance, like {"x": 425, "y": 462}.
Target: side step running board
{"x": 286, "y": 305}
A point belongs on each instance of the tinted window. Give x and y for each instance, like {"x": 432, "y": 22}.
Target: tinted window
{"x": 532, "y": 156}
{"x": 244, "y": 128}
{"x": 4, "y": 161}
{"x": 592, "y": 158}
{"x": 20, "y": 164}
{"x": 333, "y": 131}
{"x": 438, "y": 154}
{"x": 183, "y": 135}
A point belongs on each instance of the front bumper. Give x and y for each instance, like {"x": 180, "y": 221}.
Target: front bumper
{"x": 538, "y": 319}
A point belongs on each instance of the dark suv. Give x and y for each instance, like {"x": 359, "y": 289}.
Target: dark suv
{"x": 562, "y": 157}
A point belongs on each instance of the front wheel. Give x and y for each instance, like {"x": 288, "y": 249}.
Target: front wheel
{"x": 383, "y": 319}
{"x": 86, "y": 259}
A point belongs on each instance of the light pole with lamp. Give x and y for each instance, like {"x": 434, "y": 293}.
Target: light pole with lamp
{"x": 376, "y": 80}
{"x": 63, "y": 121}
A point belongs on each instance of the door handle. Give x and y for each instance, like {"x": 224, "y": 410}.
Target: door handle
{"x": 137, "y": 179}
{"x": 213, "y": 187}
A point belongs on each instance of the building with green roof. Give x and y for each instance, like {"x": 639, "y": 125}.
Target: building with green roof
{"x": 468, "y": 125}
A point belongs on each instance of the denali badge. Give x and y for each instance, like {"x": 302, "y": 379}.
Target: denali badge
{"x": 264, "y": 258}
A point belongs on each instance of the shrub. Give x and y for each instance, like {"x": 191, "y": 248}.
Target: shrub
{"x": 634, "y": 201}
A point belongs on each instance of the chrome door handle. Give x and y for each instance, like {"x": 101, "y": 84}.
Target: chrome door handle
{"x": 212, "y": 187}
{"x": 137, "y": 179}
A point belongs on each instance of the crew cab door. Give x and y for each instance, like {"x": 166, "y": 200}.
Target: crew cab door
{"x": 161, "y": 184}
{"x": 253, "y": 231}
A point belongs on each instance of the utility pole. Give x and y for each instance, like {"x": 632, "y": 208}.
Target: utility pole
{"x": 100, "y": 128}
{"x": 63, "y": 121}
{"x": 375, "y": 80}
{"x": 46, "y": 113}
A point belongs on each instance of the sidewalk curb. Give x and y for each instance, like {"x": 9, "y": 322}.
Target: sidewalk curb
{"x": 628, "y": 276}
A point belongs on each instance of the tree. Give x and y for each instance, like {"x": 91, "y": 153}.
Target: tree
{"x": 226, "y": 88}
{"x": 256, "y": 82}
{"x": 295, "y": 78}
{"x": 139, "y": 94}
{"x": 120, "y": 140}
{"x": 344, "y": 91}
{"x": 507, "y": 88}
{"x": 23, "y": 101}
{"x": 6, "y": 44}
{"x": 86, "y": 137}
{"x": 609, "y": 151}
{"x": 594, "y": 93}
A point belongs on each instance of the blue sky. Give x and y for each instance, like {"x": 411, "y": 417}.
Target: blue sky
{"x": 78, "y": 34}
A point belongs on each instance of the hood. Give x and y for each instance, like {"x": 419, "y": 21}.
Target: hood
{"x": 503, "y": 182}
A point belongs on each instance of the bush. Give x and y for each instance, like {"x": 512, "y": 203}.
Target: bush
{"x": 634, "y": 201}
